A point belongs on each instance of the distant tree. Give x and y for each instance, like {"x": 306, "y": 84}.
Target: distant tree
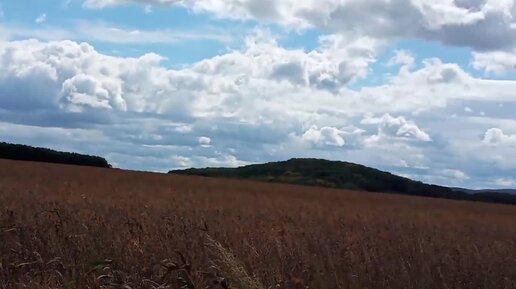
{"x": 29, "y": 153}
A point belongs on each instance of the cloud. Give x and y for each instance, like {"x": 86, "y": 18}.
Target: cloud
{"x": 107, "y": 32}
{"x": 41, "y": 18}
{"x": 55, "y": 74}
{"x": 505, "y": 182}
{"x": 481, "y": 25}
{"x": 205, "y": 141}
{"x": 487, "y": 27}
{"x": 497, "y": 62}
{"x": 453, "y": 174}
{"x": 397, "y": 127}
{"x": 440, "y": 13}
{"x": 99, "y": 31}
{"x": 334, "y": 63}
{"x": 330, "y": 136}
{"x": 107, "y": 3}
{"x": 402, "y": 57}
{"x": 260, "y": 83}
{"x": 86, "y": 90}
{"x": 261, "y": 77}
{"x": 496, "y": 136}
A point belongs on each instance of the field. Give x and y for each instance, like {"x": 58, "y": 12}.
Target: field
{"x": 78, "y": 227}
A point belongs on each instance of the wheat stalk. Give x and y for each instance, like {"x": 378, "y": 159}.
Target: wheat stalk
{"x": 229, "y": 267}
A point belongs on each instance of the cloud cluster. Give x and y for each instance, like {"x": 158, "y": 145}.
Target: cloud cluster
{"x": 70, "y": 75}
{"x": 77, "y": 76}
{"x": 481, "y": 25}
{"x": 485, "y": 26}
{"x": 258, "y": 94}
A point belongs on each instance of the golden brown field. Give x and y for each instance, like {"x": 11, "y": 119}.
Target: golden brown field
{"x": 76, "y": 227}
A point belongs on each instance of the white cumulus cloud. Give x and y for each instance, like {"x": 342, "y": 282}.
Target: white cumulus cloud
{"x": 398, "y": 127}
{"x": 497, "y": 62}
{"x": 497, "y": 136}
{"x": 204, "y": 141}
{"x": 325, "y": 136}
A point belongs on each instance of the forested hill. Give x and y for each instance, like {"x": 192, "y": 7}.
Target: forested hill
{"x": 29, "y": 153}
{"x": 336, "y": 174}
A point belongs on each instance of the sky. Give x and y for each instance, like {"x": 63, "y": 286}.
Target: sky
{"x": 423, "y": 89}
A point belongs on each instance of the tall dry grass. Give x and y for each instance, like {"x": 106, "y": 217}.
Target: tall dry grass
{"x": 71, "y": 227}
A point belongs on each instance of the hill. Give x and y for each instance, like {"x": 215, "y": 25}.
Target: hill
{"x": 502, "y": 191}
{"x": 344, "y": 175}
{"x": 37, "y": 154}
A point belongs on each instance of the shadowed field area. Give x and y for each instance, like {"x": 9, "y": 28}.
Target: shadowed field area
{"x": 80, "y": 227}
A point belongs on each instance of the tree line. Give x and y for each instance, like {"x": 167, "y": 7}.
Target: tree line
{"x": 37, "y": 154}
{"x": 344, "y": 175}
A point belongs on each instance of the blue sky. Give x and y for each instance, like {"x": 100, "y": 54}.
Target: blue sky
{"x": 423, "y": 89}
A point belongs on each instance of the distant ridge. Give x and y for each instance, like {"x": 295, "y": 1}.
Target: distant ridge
{"x": 28, "y": 153}
{"x": 345, "y": 175}
{"x": 481, "y": 191}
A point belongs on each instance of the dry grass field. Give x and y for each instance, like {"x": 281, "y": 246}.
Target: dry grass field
{"x": 76, "y": 227}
